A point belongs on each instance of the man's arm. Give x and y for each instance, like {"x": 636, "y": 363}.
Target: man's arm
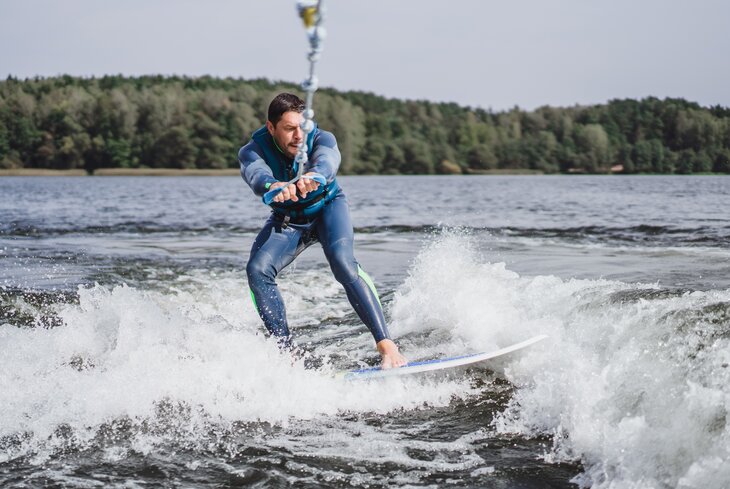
{"x": 254, "y": 169}
{"x": 326, "y": 156}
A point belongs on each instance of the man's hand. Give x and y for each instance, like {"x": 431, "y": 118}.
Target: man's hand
{"x": 306, "y": 185}
{"x": 289, "y": 192}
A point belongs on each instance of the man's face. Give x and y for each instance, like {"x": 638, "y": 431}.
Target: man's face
{"x": 287, "y": 132}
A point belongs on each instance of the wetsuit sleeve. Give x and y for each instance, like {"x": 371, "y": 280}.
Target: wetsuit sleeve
{"x": 254, "y": 170}
{"x": 326, "y": 156}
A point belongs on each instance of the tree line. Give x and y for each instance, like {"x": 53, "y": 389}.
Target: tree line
{"x": 181, "y": 122}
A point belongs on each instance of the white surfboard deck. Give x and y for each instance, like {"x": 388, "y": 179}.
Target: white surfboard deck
{"x": 432, "y": 365}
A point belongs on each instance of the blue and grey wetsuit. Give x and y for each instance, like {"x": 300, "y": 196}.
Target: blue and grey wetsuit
{"x": 324, "y": 217}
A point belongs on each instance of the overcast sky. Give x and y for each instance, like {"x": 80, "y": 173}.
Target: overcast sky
{"x": 482, "y": 53}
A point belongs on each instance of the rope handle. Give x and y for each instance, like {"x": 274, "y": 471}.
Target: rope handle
{"x": 271, "y": 194}
{"x": 312, "y": 14}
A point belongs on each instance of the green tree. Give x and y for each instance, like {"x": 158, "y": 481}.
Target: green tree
{"x": 347, "y": 122}
{"x": 481, "y": 157}
{"x": 72, "y": 149}
{"x": 69, "y": 122}
{"x": 648, "y": 156}
{"x": 174, "y": 149}
{"x": 722, "y": 161}
{"x": 702, "y": 163}
{"x": 118, "y": 153}
{"x": 685, "y": 159}
{"x": 372, "y": 157}
{"x": 593, "y": 147}
{"x": 417, "y": 157}
{"x": 214, "y": 151}
{"x": 4, "y": 141}
{"x": 395, "y": 158}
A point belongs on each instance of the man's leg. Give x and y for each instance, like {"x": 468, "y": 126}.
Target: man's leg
{"x": 273, "y": 249}
{"x": 334, "y": 229}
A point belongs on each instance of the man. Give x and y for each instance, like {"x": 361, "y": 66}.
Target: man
{"x": 303, "y": 213}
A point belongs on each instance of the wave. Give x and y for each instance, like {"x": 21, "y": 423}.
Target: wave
{"x": 639, "y": 235}
{"x": 633, "y": 382}
{"x": 24, "y": 229}
{"x": 120, "y": 356}
{"x": 642, "y": 234}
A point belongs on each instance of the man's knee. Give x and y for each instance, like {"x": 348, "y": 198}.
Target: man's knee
{"x": 342, "y": 262}
{"x": 259, "y": 269}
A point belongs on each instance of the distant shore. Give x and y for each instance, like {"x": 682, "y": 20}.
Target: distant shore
{"x": 119, "y": 172}
{"x": 176, "y": 172}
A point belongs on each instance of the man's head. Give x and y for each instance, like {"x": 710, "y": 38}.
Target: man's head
{"x": 284, "y": 119}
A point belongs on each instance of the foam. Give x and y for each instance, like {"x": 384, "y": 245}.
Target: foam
{"x": 635, "y": 388}
{"x": 122, "y": 353}
{"x": 633, "y": 381}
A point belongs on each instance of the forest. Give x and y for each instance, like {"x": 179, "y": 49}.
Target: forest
{"x": 70, "y": 122}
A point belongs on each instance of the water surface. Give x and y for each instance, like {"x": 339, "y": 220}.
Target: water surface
{"x": 132, "y": 356}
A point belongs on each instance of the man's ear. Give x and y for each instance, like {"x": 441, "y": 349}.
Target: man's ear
{"x": 270, "y": 127}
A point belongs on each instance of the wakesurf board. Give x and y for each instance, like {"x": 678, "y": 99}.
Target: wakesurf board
{"x": 437, "y": 364}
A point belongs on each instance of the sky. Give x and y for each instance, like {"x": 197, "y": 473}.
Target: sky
{"x": 479, "y": 53}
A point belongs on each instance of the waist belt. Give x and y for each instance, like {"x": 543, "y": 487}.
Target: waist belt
{"x": 300, "y": 215}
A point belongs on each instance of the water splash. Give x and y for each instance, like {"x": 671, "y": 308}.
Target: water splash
{"x": 124, "y": 353}
{"x": 633, "y": 381}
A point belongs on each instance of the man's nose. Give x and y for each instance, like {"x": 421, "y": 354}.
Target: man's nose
{"x": 298, "y": 133}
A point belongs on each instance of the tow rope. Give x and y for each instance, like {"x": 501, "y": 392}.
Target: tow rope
{"x": 312, "y": 14}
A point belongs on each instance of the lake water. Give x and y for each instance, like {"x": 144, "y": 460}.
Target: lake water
{"x": 131, "y": 355}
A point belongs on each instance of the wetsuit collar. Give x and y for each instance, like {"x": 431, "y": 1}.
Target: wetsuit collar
{"x": 277, "y": 146}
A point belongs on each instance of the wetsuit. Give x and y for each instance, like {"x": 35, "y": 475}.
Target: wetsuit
{"x": 324, "y": 217}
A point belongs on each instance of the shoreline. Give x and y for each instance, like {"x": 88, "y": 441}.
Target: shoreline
{"x": 120, "y": 172}
{"x": 178, "y": 172}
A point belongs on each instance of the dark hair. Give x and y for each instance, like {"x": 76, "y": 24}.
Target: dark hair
{"x": 284, "y": 102}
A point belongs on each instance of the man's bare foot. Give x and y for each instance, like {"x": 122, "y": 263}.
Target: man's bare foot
{"x": 390, "y": 355}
